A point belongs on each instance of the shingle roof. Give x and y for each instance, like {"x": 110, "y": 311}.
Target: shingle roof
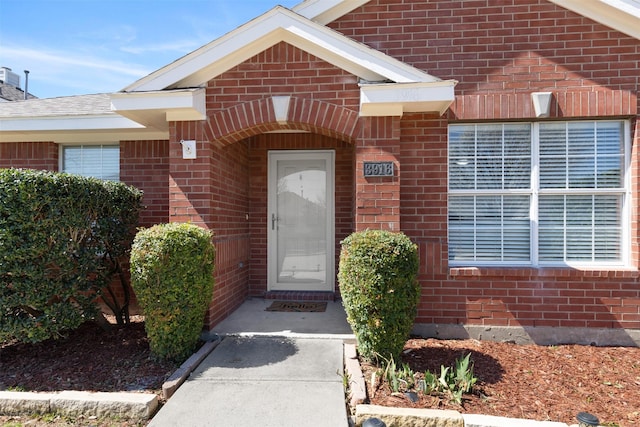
{"x": 80, "y": 105}
{"x": 11, "y": 93}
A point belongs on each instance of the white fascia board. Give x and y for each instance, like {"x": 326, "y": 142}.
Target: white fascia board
{"x": 278, "y": 25}
{"x": 79, "y": 123}
{"x": 326, "y": 11}
{"x": 179, "y": 105}
{"x": 621, "y": 15}
{"x": 84, "y": 137}
{"x": 395, "y": 99}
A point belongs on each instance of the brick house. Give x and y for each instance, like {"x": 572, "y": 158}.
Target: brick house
{"x": 500, "y": 135}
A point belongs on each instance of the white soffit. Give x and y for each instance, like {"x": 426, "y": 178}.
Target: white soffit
{"x": 155, "y": 109}
{"x": 326, "y": 11}
{"x": 396, "y": 99}
{"x": 621, "y": 15}
{"x": 278, "y": 25}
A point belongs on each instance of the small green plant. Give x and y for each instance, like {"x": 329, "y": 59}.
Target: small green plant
{"x": 458, "y": 381}
{"x": 451, "y": 382}
{"x": 401, "y": 378}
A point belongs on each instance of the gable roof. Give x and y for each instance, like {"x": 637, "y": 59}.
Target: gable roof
{"x": 278, "y": 25}
{"x": 621, "y": 15}
{"x": 325, "y": 11}
{"x": 384, "y": 80}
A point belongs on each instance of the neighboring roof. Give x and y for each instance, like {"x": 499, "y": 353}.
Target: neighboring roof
{"x": 10, "y": 93}
{"x": 621, "y": 15}
{"x": 64, "y": 106}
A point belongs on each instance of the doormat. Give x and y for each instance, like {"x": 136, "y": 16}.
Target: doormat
{"x": 298, "y": 306}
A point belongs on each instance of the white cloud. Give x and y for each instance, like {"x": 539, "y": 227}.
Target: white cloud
{"x": 179, "y": 46}
{"x": 73, "y": 73}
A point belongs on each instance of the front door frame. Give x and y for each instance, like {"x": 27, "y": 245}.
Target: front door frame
{"x": 272, "y": 258}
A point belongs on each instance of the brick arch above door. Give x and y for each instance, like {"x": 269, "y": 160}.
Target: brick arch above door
{"x": 281, "y": 113}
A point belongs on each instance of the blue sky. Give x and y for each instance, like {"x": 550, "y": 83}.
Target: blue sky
{"x": 73, "y": 47}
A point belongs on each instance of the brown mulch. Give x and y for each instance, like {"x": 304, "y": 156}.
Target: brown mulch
{"x": 520, "y": 381}
{"x": 89, "y": 359}
{"x": 543, "y": 383}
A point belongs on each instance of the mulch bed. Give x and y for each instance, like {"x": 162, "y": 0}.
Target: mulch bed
{"x": 88, "y": 359}
{"x": 551, "y": 383}
{"x": 535, "y": 382}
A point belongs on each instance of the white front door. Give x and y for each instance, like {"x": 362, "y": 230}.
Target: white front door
{"x": 300, "y": 221}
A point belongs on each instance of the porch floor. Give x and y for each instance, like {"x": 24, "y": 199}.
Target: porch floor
{"x": 252, "y": 319}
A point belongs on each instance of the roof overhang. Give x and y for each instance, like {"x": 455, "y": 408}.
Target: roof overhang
{"x": 156, "y": 109}
{"x": 621, "y": 15}
{"x": 395, "y": 99}
{"x": 74, "y": 129}
{"x": 326, "y": 11}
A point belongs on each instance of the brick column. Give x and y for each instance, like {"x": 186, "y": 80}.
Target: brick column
{"x": 377, "y": 201}
{"x": 189, "y": 179}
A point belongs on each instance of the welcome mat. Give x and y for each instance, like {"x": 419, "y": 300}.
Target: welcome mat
{"x": 298, "y": 306}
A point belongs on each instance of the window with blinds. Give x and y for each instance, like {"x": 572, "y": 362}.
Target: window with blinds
{"x": 98, "y": 161}
{"x": 541, "y": 193}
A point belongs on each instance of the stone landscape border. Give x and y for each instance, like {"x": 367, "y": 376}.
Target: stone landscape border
{"x": 131, "y": 406}
{"x": 127, "y": 405}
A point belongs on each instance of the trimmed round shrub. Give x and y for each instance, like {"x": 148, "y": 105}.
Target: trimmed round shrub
{"x": 172, "y": 276}
{"x": 378, "y": 283}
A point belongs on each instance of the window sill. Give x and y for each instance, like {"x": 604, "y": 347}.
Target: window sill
{"x": 604, "y": 272}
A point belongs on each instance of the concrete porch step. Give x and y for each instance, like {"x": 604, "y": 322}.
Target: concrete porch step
{"x": 301, "y": 296}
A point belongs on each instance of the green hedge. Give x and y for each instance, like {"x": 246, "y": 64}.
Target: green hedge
{"x": 61, "y": 240}
{"x": 377, "y": 276}
{"x": 172, "y": 276}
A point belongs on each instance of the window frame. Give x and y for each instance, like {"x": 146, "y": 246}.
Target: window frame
{"x": 63, "y": 147}
{"x": 535, "y": 192}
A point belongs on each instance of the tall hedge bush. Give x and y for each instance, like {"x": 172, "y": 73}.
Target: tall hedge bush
{"x": 172, "y": 276}
{"x": 378, "y": 283}
{"x": 62, "y": 238}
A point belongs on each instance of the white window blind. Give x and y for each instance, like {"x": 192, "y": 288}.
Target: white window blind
{"x": 544, "y": 193}
{"x": 99, "y": 161}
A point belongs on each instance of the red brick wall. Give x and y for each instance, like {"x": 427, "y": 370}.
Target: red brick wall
{"x": 501, "y": 51}
{"x": 145, "y": 165}
{"x": 212, "y": 191}
{"x": 283, "y": 70}
{"x": 230, "y": 196}
{"x": 29, "y": 155}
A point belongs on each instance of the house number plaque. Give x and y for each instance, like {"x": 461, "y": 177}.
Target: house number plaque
{"x": 378, "y": 168}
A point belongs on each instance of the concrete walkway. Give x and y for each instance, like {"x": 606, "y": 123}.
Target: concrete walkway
{"x": 271, "y": 369}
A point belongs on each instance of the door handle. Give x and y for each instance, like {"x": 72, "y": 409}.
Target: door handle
{"x": 274, "y": 219}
